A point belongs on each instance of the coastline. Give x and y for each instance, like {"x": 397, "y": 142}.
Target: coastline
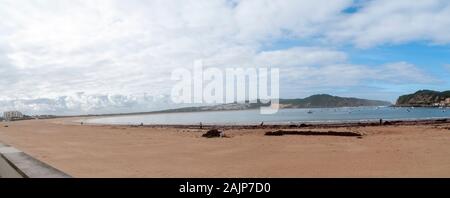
{"x": 401, "y": 149}
{"x": 250, "y": 117}
{"x": 289, "y": 125}
{"x": 173, "y": 111}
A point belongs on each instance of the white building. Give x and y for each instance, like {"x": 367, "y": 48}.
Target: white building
{"x": 12, "y": 115}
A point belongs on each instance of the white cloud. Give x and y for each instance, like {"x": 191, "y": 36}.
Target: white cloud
{"x": 299, "y": 56}
{"x": 81, "y": 103}
{"x": 386, "y": 21}
{"x": 341, "y": 75}
{"x": 262, "y": 19}
{"x": 403, "y": 73}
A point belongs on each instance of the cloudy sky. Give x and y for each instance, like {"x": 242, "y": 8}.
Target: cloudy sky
{"x": 101, "y": 56}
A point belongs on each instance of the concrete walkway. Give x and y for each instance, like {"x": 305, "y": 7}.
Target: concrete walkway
{"x": 17, "y": 164}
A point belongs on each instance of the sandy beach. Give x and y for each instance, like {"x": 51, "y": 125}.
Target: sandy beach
{"x": 403, "y": 150}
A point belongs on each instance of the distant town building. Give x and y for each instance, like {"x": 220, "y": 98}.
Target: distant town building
{"x": 445, "y": 102}
{"x": 12, "y": 115}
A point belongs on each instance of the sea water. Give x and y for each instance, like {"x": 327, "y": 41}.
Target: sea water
{"x": 284, "y": 116}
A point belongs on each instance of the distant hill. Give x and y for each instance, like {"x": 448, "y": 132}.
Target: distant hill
{"x": 314, "y": 101}
{"x": 425, "y": 98}
{"x": 329, "y": 101}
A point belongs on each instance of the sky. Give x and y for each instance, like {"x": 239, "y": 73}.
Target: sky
{"x": 106, "y": 56}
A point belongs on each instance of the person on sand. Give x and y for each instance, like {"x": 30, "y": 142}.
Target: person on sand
{"x": 381, "y": 121}
{"x": 201, "y": 125}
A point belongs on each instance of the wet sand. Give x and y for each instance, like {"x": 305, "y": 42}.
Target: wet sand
{"x": 401, "y": 150}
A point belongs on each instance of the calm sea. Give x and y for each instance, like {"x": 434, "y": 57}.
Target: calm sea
{"x": 284, "y": 116}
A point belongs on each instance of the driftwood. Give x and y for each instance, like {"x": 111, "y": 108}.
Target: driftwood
{"x": 313, "y": 133}
{"x": 213, "y": 133}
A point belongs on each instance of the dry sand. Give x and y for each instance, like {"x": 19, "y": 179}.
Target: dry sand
{"x": 123, "y": 151}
